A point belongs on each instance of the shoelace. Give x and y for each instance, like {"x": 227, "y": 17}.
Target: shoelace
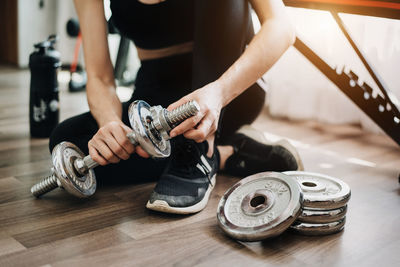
{"x": 187, "y": 157}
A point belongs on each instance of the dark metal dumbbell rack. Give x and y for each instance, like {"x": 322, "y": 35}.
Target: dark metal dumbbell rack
{"x": 382, "y": 108}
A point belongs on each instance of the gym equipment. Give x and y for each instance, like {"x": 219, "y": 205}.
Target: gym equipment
{"x": 381, "y": 105}
{"x": 151, "y": 126}
{"x": 319, "y": 228}
{"x": 325, "y": 203}
{"x": 264, "y": 205}
{"x": 69, "y": 172}
{"x": 321, "y": 191}
{"x": 260, "y": 206}
{"x": 78, "y": 77}
{"x": 43, "y": 100}
{"x": 322, "y": 216}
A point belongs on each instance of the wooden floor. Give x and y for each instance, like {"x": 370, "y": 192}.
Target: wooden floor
{"x": 114, "y": 227}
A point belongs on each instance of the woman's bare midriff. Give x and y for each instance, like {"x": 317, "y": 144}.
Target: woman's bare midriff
{"x": 147, "y": 54}
{"x": 151, "y": 2}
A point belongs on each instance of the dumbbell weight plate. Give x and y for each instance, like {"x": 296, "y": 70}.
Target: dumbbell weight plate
{"x": 139, "y": 115}
{"x": 259, "y": 206}
{"x": 318, "y": 228}
{"x": 322, "y": 216}
{"x": 63, "y": 157}
{"x": 321, "y": 191}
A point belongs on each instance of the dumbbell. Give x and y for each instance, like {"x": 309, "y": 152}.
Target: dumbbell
{"x": 73, "y": 171}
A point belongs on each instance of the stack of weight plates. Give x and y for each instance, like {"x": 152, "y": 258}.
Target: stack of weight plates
{"x": 266, "y": 204}
{"x": 324, "y": 206}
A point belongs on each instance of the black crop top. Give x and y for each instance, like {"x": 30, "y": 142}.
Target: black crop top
{"x": 157, "y": 25}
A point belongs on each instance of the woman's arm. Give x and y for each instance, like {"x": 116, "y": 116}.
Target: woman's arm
{"x": 268, "y": 45}
{"x": 110, "y": 143}
{"x": 103, "y": 100}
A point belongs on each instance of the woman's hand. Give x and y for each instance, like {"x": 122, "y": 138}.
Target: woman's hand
{"x": 110, "y": 144}
{"x": 205, "y": 123}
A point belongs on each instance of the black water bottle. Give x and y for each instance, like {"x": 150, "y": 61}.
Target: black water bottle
{"x": 43, "y": 103}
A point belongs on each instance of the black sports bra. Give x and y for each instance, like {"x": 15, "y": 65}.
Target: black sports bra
{"x": 154, "y": 26}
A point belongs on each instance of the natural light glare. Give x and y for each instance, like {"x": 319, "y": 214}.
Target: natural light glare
{"x": 361, "y": 162}
{"x": 326, "y": 165}
{"x": 275, "y": 138}
{"x": 63, "y": 77}
{"x": 124, "y": 93}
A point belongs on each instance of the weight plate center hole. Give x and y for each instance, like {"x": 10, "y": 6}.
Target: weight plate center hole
{"x": 75, "y": 172}
{"x": 258, "y": 201}
{"x": 309, "y": 184}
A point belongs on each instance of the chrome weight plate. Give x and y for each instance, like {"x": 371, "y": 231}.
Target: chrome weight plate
{"x": 259, "y": 206}
{"x": 140, "y": 116}
{"x": 63, "y": 157}
{"x": 318, "y": 228}
{"x": 322, "y": 216}
{"x": 321, "y": 191}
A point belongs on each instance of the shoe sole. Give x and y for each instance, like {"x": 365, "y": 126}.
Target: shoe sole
{"x": 259, "y": 137}
{"x": 163, "y": 206}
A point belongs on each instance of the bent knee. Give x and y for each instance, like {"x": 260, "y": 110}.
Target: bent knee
{"x": 77, "y": 130}
{"x": 58, "y": 135}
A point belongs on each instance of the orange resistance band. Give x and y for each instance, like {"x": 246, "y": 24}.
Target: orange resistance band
{"x": 76, "y": 53}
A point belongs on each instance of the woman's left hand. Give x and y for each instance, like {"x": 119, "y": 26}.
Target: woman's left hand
{"x": 205, "y": 123}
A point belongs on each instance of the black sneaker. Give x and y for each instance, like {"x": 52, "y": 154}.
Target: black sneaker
{"x": 253, "y": 153}
{"x": 188, "y": 179}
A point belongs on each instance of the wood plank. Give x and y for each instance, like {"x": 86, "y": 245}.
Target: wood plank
{"x": 44, "y": 222}
{"x": 24, "y": 155}
{"x": 10, "y": 189}
{"x": 154, "y": 222}
{"x": 20, "y": 143}
{"x": 65, "y": 248}
{"x": 10, "y": 245}
{"x": 18, "y": 169}
{"x": 184, "y": 241}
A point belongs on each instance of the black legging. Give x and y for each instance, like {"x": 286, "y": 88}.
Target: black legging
{"x": 163, "y": 81}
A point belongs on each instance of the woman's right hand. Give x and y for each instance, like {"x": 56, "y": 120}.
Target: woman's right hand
{"x": 110, "y": 144}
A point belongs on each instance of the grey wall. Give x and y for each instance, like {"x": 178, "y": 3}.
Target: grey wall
{"x": 34, "y": 24}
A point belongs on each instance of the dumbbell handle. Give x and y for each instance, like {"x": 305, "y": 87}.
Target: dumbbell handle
{"x": 89, "y": 162}
{"x": 82, "y": 166}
